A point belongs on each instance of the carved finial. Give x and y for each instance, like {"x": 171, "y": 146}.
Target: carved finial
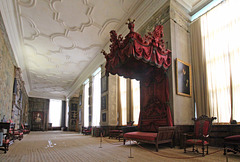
{"x": 103, "y": 52}
{"x": 130, "y": 24}
{"x": 130, "y": 21}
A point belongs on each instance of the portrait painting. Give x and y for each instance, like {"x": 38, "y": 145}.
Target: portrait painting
{"x": 183, "y": 79}
{"x": 38, "y": 116}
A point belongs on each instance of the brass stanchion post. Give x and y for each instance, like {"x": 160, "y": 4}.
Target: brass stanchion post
{"x": 130, "y": 150}
{"x": 100, "y": 141}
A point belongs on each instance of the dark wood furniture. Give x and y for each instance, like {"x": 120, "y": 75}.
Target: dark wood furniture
{"x": 202, "y": 128}
{"x": 232, "y": 144}
{"x": 118, "y": 132}
{"x": 5, "y": 127}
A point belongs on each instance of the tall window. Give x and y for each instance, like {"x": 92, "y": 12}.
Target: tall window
{"x": 221, "y": 40}
{"x": 86, "y": 105}
{"x": 129, "y": 100}
{"x": 96, "y": 97}
{"x": 135, "y": 88}
{"x": 55, "y": 111}
{"x": 123, "y": 99}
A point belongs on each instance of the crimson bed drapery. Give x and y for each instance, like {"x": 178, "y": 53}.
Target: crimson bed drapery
{"x": 147, "y": 60}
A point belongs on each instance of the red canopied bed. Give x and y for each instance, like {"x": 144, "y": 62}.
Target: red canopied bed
{"x": 145, "y": 59}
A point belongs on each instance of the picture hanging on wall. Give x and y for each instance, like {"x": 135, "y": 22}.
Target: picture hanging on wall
{"x": 104, "y": 84}
{"x": 104, "y": 117}
{"x": 184, "y": 82}
{"x": 90, "y": 91}
{"x": 37, "y": 116}
{"x": 104, "y": 102}
{"x": 90, "y": 118}
{"x": 80, "y": 100}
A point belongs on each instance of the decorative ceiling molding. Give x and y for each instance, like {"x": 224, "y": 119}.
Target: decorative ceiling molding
{"x": 58, "y": 14}
{"x": 33, "y": 26}
{"x": 25, "y": 3}
{"x": 106, "y": 24}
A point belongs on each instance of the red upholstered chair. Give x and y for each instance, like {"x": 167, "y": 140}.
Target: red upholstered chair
{"x": 232, "y": 144}
{"x": 15, "y": 134}
{"x": 6, "y": 135}
{"x": 202, "y": 128}
{"x": 24, "y": 130}
{"x": 87, "y": 131}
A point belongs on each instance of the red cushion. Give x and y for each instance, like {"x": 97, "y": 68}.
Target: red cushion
{"x": 141, "y": 136}
{"x": 235, "y": 138}
{"x": 24, "y": 130}
{"x": 196, "y": 142}
{"x": 18, "y": 133}
{"x": 6, "y": 141}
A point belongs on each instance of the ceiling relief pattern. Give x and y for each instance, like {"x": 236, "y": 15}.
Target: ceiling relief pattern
{"x": 61, "y": 37}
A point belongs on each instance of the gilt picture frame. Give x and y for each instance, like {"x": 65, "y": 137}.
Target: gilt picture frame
{"x": 183, "y": 78}
{"x": 104, "y": 84}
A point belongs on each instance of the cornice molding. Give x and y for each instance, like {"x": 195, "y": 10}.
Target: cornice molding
{"x": 46, "y": 96}
{"x": 9, "y": 18}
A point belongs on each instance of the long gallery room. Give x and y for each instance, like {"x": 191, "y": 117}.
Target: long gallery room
{"x": 119, "y": 80}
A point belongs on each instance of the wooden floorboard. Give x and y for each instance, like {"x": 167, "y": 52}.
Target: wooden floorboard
{"x": 70, "y": 146}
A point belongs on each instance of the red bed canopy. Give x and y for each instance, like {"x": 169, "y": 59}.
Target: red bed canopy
{"x": 145, "y": 59}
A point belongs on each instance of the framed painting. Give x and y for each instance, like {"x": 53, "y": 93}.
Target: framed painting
{"x": 184, "y": 80}
{"x": 37, "y": 116}
{"x": 104, "y": 102}
{"x": 80, "y": 116}
{"x": 90, "y": 90}
{"x": 90, "y": 109}
{"x": 104, "y": 84}
{"x": 80, "y": 100}
{"x": 104, "y": 117}
{"x": 90, "y": 118}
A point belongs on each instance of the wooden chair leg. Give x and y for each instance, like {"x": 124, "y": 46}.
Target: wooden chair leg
{"x": 124, "y": 141}
{"x": 207, "y": 149}
{"x": 224, "y": 146}
{"x": 203, "y": 150}
{"x": 156, "y": 147}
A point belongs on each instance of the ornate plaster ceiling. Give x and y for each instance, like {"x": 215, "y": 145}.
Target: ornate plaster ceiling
{"x": 54, "y": 41}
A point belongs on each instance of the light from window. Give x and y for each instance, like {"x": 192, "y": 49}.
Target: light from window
{"x": 135, "y": 99}
{"x": 55, "y": 111}
{"x": 96, "y": 97}
{"x": 221, "y": 37}
{"x": 86, "y": 105}
{"x": 123, "y": 98}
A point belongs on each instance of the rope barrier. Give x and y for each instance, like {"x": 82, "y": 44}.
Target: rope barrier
{"x": 158, "y": 153}
{"x": 113, "y": 143}
{"x": 172, "y": 157}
